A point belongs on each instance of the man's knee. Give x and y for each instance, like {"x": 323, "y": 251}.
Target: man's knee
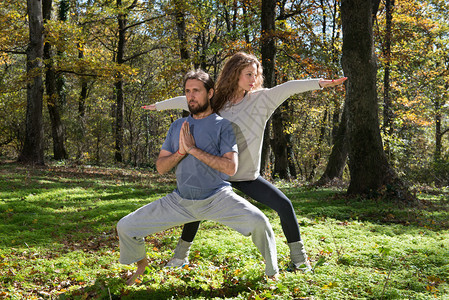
{"x": 121, "y": 226}
{"x": 260, "y": 220}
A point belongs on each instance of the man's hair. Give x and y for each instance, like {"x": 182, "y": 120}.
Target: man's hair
{"x": 201, "y": 76}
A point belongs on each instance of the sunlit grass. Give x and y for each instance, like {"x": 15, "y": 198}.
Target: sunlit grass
{"x": 58, "y": 241}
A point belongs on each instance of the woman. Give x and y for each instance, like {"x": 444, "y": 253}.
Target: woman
{"x": 240, "y": 98}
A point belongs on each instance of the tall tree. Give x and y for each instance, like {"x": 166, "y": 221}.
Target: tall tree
{"x": 268, "y": 51}
{"x": 119, "y": 104}
{"x": 54, "y": 84}
{"x": 387, "y": 111}
{"x": 368, "y": 165}
{"x": 281, "y": 142}
{"x": 33, "y": 147}
{"x": 81, "y": 115}
{"x": 181, "y": 29}
{"x": 182, "y": 36}
{"x": 339, "y": 154}
{"x": 119, "y": 84}
{"x": 439, "y": 131}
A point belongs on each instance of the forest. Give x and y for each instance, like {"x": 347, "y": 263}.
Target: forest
{"x": 365, "y": 164}
{"x": 74, "y": 75}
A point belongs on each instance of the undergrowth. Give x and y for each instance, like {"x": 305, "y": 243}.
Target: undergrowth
{"x": 58, "y": 241}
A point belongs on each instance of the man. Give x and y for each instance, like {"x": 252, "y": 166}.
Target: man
{"x": 203, "y": 149}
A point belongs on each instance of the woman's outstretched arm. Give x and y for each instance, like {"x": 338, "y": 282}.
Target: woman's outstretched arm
{"x": 173, "y": 103}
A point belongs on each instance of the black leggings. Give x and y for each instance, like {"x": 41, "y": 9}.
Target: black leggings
{"x": 264, "y": 192}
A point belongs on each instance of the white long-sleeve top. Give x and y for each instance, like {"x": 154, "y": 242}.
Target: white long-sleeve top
{"x": 249, "y": 118}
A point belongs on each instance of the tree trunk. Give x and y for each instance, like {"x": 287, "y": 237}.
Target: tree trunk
{"x": 339, "y": 154}
{"x": 119, "y": 112}
{"x": 181, "y": 29}
{"x": 368, "y": 165}
{"x": 33, "y": 149}
{"x": 54, "y": 93}
{"x": 279, "y": 145}
{"x": 335, "y": 120}
{"x": 338, "y": 157}
{"x": 289, "y": 139}
{"x": 83, "y": 93}
{"x": 291, "y": 157}
{"x": 246, "y": 22}
{"x": 182, "y": 36}
{"x": 335, "y": 31}
{"x": 387, "y": 112}
{"x": 438, "y": 134}
{"x": 120, "y": 106}
{"x": 82, "y": 110}
{"x": 268, "y": 51}
{"x": 317, "y": 156}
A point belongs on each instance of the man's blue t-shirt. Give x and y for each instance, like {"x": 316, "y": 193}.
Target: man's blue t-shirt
{"x": 214, "y": 135}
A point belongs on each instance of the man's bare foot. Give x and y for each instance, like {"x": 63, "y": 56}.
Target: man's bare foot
{"x": 141, "y": 265}
{"x": 274, "y": 277}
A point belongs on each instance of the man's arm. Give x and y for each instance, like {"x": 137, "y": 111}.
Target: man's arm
{"x": 227, "y": 164}
{"x": 167, "y": 161}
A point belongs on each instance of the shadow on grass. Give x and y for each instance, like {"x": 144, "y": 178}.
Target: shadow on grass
{"x": 318, "y": 204}
{"x": 43, "y": 205}
{"x": 78, "y": 208}
{"x": 187, "y": 286}
{"x": 321, "y": 204}
{"x": 40, "y": 206}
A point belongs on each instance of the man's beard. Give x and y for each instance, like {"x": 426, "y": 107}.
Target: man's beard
{"x": 199, "y": 109}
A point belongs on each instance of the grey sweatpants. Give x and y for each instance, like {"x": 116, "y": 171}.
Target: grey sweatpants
{"x": 225, "y": 207}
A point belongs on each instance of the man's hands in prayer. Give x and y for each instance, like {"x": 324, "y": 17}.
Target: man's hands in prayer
{"x": 186, "y": 140}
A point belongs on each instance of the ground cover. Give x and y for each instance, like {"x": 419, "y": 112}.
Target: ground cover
{"x": 57, "y": 241}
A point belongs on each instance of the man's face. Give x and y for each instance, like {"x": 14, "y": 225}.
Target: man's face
{"x": 197, "y": 96}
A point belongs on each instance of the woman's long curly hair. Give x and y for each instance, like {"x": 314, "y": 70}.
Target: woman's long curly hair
{"x": 227, "y": 83}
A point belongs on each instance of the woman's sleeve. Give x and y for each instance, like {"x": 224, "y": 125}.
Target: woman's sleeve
{"x": 282, "y": 92}
{"x": 173, "y": 103}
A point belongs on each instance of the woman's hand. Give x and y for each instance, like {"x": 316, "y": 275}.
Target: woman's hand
{"x": 149, "y": 107}
{"x": 330, "y": 83}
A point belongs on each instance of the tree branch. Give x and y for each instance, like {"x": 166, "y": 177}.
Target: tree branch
{"x": 144, "y": 21}
{"x": 296, "y": 61}
{"x": 444, "y": 132}
{"x": 144, "y": 52}
{"x": 12, "y": 51}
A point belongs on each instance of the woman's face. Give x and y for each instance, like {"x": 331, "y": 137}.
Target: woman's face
{"x": 247, "y": 78}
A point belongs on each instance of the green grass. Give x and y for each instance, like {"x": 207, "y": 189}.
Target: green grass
{"x": 57, "y": 241}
